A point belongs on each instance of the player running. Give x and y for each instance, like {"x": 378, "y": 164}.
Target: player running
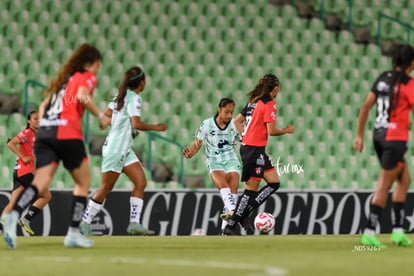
{"x": 259, "y": 114}
{"x": 60, "y": 138}
{"x": 220, "y": 136}
{"x": 23, "y": 171}
{"x": 118, "y": 155}
{"x": 393, "y": 93}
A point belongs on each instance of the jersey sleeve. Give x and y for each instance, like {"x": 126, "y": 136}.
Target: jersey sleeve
{"x": 270, "y": 112}
{"x": 112, "y": 104}
{"x": 88, "y": 80}
{"x": 410, "y": 92}
{"x": 244, "y": 110}
{"x": 134, "y": 107}
{"x": 202, "y": 130}
{"x": 23, "y": 138}
{"x": 381, "y": 83}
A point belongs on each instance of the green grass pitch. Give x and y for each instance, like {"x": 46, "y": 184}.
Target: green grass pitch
{"x": 207, "y": 255}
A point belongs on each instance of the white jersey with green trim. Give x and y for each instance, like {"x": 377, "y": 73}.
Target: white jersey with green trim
{"x": 219, "y": 142}
{"x": 119, "y": 139}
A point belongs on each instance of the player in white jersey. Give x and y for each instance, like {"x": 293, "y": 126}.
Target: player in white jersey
{"x": 219, "y": 134}
{"x": 117, "y": 153}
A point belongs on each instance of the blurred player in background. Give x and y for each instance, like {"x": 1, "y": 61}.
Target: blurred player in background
{"x": 393, "y": 94}
{"x": 23, "y": 171}
{"x": 60, "y": 138}
{"x": 118, "y": 155}
{"x": 256, "y": 122}
{"x": 220, "y": 136}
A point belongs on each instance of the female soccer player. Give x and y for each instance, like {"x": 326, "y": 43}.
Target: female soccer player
{"x": 60, "y": 138}
{"x": 393, "y": 93}
{"x": 23, "y": 171}
{"x": 118, "y": 155}
{"x": 259, "y": 114}
{"x": 220, "y": 136}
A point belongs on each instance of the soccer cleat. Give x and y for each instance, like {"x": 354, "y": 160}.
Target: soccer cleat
{"x": 371, "y": 241}
{"x": 230, "y": 231}
{"x": 400, "y": 239}
{"x": 226, "y": 216}
{"x": 25, "y": 224}
{"x": 85, "y": 228}
{"x": 9, "y": 222}
{"x": 76, "y": 239}
{"x": 134, "y": 228}
{"x": 248, "y": 227}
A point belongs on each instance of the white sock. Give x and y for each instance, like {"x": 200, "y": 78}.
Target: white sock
{"x": 136, "y": 204}
{"x": 369, "y": 232}
{"x": 91, "y": 211}
{"x": 398, "y": 230}
{"x": 235, "y": 198}
{"x": 227, "y": 198}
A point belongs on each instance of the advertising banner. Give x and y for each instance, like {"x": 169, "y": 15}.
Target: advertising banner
{"x": 179, "y": 212}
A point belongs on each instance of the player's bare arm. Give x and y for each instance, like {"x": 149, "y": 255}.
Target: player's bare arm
{"x": 362, "y": 119}
{"x": 238, "y": 122}
{"x": 189, "y": 152}
{"x": 140, "y": 125}
{"x": 274, "y": 131}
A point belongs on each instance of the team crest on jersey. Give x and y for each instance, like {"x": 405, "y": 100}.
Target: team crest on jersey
{"x": 258, "y": 170}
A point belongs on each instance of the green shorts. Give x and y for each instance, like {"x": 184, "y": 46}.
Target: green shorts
{"x": 115, "y": 162}
{"x": 227, "y": 166}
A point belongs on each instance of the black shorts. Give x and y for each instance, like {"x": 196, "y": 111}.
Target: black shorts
{"x": 255, "y": 162}
{"x": 390, "y": 153}
{"x": 71, "y": 152}
{"x": 24, "y": 180}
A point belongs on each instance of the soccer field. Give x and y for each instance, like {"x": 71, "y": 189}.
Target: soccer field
{"x": 207, "y": 255}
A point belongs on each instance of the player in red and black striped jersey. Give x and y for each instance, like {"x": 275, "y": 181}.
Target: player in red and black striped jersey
{"x": 22, "y": 146}
{"x": 60, "y": 138}
{"x": 393, "y": 94}
{"x": 256, "y": 122}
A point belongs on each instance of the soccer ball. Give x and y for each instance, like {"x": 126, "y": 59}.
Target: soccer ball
{"x": 264, "y": 222}
{"x": 198, "y": 232}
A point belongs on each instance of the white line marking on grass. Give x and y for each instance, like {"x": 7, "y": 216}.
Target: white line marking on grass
{"x": 254, "y": 268}
{"x": 268, "y": 270}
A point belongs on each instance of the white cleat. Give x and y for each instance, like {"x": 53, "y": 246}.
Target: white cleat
{"x": 76, "y": 239}
{"x": 9, "y": 222}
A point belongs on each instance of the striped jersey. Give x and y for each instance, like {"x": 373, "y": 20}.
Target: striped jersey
{"x": 27, "y": 138}
{"x": 119, "y": 139}
{"x": 62, "y": 119}
{"x": 219, "y": 142}
{"x": 397, "y": 120}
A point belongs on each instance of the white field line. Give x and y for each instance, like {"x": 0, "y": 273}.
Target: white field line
{"x": 263, "y": 270}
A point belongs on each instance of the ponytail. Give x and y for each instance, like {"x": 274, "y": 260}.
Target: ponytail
{"x": 131, "y": 80}
{"x": 263, "y": 87}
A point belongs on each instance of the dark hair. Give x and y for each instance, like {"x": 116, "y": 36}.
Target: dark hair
{"x": 224, "y": 102}
{"x": 29, "y": 116}
{"x": 84, "y": 55}
{"x": 402, "y": 58}
{"x": 131, "y": 80}
{"x": 263, "y": 87}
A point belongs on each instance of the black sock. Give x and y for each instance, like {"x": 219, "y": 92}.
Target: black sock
{"x": 242, "y": 207}
{"x": 398, "y": 214}
{"x": 263, "y": 194}
{"x": 28, "y": 196}
{"x": 78, "y": 207}
{"x": 374, "y": 216}
{"x": 33, "y": 211}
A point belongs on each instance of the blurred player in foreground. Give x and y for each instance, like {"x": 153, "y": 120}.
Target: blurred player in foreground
{"x": 118, "y": 155}
{"x": 220, "y": 136}
{"x": 393, "y": 94}
{"x": 60, "y": 138}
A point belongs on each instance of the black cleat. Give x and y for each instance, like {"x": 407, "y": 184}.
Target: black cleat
{"x": 230, "y": 231}
{"x": 248, "y": 227}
